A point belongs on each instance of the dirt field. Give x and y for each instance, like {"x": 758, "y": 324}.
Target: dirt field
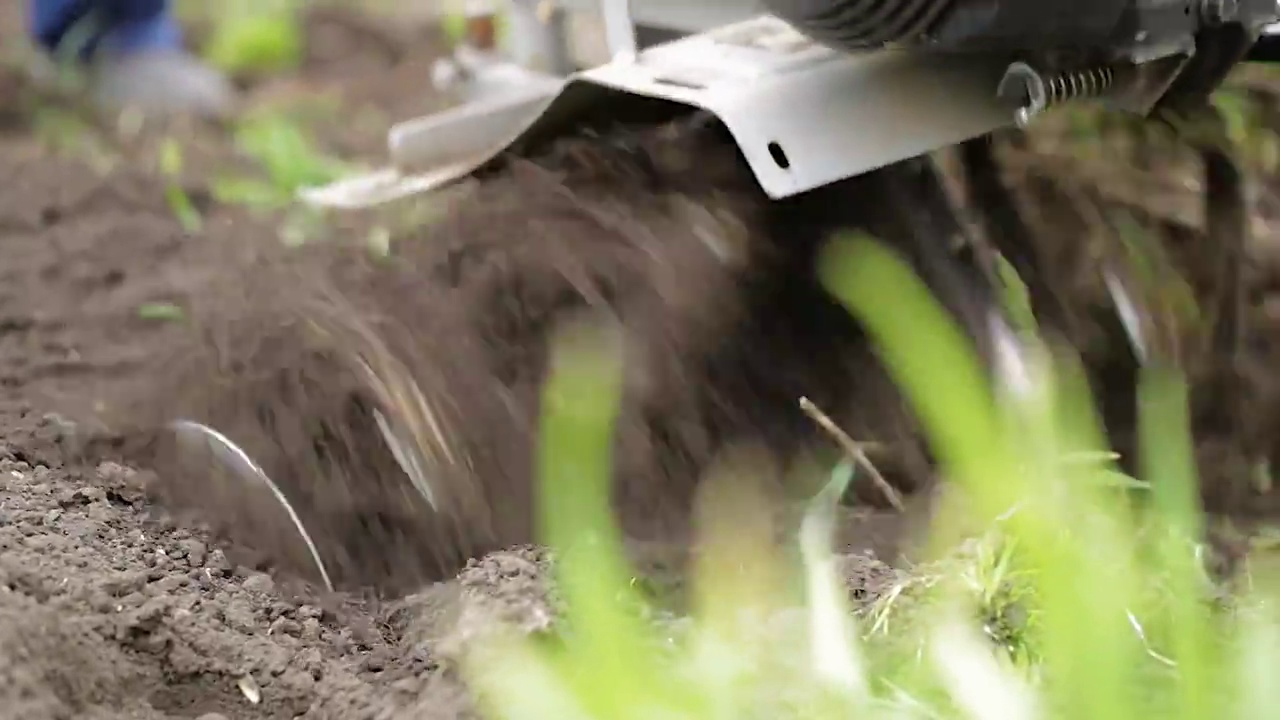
{"x": 113, "y": 604}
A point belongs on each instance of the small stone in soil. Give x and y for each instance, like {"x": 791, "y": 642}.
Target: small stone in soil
{"x": 217, "y": 563}
{"x": 285, "y": 626}
{"x": 195, "y": 552}
{"x": 259, "y": 583}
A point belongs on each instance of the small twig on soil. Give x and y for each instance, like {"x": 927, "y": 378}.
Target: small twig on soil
{"x": 854, "y": 450}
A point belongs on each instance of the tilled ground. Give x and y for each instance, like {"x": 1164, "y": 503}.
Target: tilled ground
{"x": 153, "y": 589}
{"x": 114, "y": 606}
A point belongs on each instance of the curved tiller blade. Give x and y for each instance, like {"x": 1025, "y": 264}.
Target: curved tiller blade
{"x": 196, "y": 438}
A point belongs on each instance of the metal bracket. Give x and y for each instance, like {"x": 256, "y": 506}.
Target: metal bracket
{"x": 803, "y": 115}
{"x": 435, "y": 151}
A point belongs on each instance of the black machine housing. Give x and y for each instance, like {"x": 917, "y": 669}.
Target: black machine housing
{"x": 1016, "y": 25}
{"x": 1056, "y": 35}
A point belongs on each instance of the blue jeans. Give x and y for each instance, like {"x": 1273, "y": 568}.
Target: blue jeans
{"x": 118, "y": 26}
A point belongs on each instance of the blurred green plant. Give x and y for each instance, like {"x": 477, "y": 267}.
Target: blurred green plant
{"x": 161, "y": 312}
{"x": 287, "y": 159}
{"x": 256, "y": 38}
{"x": 175, "y": 195}
{"x": 67, "y": 133}
{"x": 1073, "y": 598}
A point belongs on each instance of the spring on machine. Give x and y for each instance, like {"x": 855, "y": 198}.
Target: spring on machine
{"x": 1037, "y": 92}
{"x": 1079, "y": 84}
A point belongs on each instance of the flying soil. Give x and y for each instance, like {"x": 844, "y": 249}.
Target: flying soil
{"x": 374, "y": 425}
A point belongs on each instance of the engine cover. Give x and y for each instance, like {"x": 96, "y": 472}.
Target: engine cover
{"x": 954, "y": 24}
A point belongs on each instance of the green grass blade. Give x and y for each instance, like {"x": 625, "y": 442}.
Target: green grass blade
{"x": 604, "y": 639}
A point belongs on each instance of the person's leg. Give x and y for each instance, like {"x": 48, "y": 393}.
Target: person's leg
{"x": 116, "y": 25}
{"x": 139, "y": 26}
{"x": 134, "y": 50}
{"x": 51, "y": 20}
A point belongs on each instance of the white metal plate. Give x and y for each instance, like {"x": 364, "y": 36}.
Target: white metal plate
{"x": 831, "y": 115}
{"x": 434, "y": 151}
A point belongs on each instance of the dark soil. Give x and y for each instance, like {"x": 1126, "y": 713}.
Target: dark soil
{"x": 722, "y": 334}
{"x": 1234, "y": 402}
{"x": 138, "y": 582}
{"x": 157, "y": 589}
